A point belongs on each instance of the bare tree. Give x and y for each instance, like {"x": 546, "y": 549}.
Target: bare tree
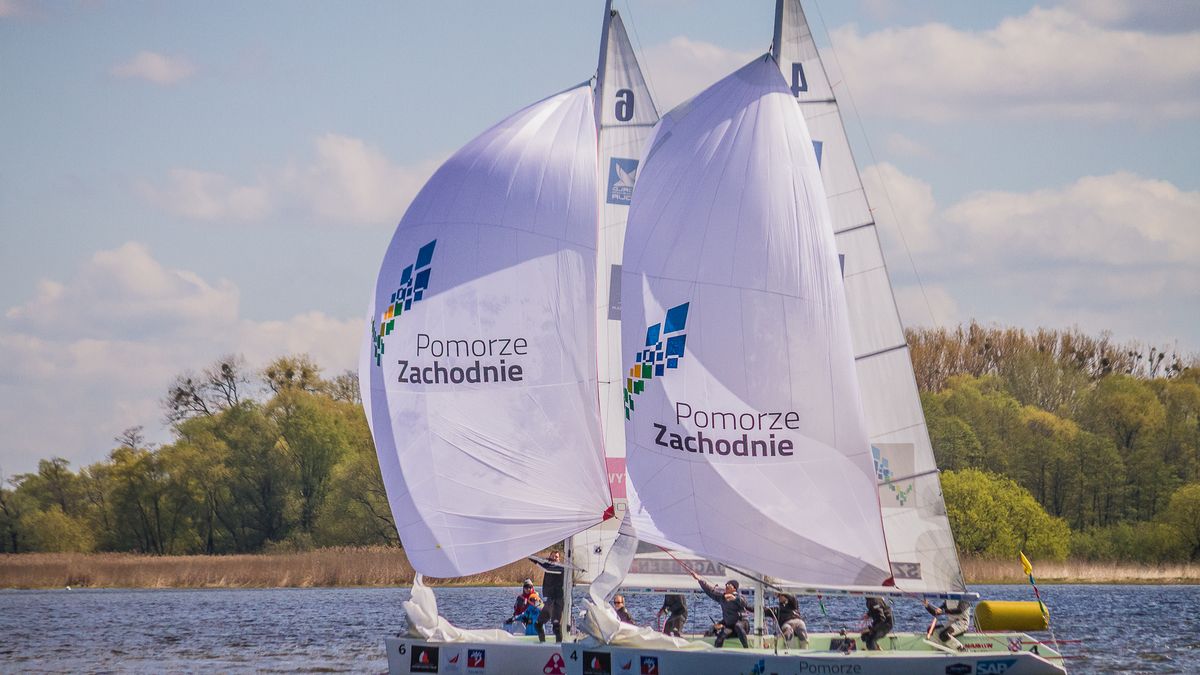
{"x": 220, "y": 387}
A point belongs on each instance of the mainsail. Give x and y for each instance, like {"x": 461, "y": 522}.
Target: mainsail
{"x": 746, "y": 438}
{"x": 919, "y": 540}
{"x": 480, "y": 379}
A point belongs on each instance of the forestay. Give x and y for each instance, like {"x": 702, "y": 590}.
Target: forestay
{"x": 746, "y": 439}
{"x": 480, "y": 375}
{"x": 918, "y": 533}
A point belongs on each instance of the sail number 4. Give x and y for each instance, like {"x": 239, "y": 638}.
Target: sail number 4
{"x": 624, "y": 109}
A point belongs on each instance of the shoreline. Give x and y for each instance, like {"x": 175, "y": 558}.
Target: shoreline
{"x": 388, "y": 567}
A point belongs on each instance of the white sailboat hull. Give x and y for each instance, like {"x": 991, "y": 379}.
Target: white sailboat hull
{"x": 903, "y": 653}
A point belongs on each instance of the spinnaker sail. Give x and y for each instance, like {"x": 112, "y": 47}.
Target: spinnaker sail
{"x": 921, "y": 545}
{"x": 745, "y": 436}
{"x": 480, "y": 379}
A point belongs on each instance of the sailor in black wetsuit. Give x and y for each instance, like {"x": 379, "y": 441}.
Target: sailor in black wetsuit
{"x": 732, "y": 607}
{"x": 675, "y": 607}
{"x": 552, "y": 594}
{"x": 880, "y": 616}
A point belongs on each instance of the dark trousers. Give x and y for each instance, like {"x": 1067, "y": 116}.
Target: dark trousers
{"x": 551, "y": 612}
{"x": 674, "y": 624}
{"x": 874, "y": 634}
{"x": 736, "y": 629}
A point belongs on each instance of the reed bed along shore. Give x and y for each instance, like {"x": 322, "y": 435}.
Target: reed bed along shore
{"x": 389, "y": 567}
{"x": 376, "y": 566}
{"x": 1079, "y": 572}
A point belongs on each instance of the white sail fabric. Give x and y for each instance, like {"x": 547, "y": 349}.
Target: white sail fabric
{"x": 745, "y": 436}
{"x": 626, "y": 116}
{"x": 480, "y": 384}
{"x": 920, "y": 543}
{"x": 425, "y": 623}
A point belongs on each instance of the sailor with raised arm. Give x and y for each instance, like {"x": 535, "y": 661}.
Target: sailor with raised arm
{"x": 733, "y": 606}
{"x": 552, "y": 594}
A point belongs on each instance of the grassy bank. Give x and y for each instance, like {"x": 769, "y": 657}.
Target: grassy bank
{"x": 389, "y": 567}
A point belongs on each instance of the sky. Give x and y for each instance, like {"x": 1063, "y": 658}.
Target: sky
{"x": 181, "y": 181}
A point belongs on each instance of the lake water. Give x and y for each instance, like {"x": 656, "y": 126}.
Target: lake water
{"x": 1123, "y": 629}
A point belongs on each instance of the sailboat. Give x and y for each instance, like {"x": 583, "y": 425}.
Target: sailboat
{"x": 741, "y": 361}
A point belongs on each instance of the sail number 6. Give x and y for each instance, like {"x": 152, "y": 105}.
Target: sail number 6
{"x": 624, "y": 109}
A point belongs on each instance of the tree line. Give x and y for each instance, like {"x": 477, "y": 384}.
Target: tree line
{"x": 1054, "y": 442}
{"x": 280, "y": 458}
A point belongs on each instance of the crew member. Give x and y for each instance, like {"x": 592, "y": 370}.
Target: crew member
{"x": 552, "y": 591}
{"x": 622, "y": 611}
{"x": 527, "y": 608}
{"x": 880, "y": 617}
{"x": 954, "y": 616}
{"x": 787, "y": 617}
{"x": 675, "y": 606}
{"x": 732, "y": 607}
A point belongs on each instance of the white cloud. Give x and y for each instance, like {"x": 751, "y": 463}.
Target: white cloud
{"x": 903, "y": 146}
{"x": 1115, "y": 252}
{"x": 85, "y": 358}
{"x": 349, "y": 181}
{"x": 201, "y": 195}
{"x": 1168, "y": 16}
{"x": 345, "y": 182}
{"x": 1048, "y": 62}
{"x": 154, "y": 67}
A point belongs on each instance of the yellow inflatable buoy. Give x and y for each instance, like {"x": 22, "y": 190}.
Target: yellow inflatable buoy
{"x": 1009, "y": 615}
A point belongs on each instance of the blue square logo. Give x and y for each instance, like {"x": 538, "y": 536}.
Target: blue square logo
{"x": 622, "y": 173}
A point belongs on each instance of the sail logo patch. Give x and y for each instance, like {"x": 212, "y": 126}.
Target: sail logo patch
{"x": 622, "y": 173}
{"x": 597, "y": 663}
{"x": 424, "y": 659}
{"x": 414, "y": 281}
{"x": 664, "y": 347}
{"x": 894, "y": 461}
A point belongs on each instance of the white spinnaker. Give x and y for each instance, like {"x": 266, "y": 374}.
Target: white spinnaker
{"x": 626, "y": 116}
{"x": 730, "y": 220}
{"x": 484, "y": 297}
{"x": 914, "y": 515}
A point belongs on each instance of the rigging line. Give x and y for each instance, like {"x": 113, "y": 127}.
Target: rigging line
{"x": 641, "y": 50}
{"x": 874, "y": 160}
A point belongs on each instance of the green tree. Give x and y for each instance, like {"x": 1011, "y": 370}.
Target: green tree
{"x": 53, "y": 531}
{"x": 992, "y": 516}
{"x": 312, "y": 436}
{"x": 1183, "y": 513}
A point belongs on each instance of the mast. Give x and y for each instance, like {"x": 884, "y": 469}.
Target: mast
{"x": 920, "y": 544}
{"x": 625, "y": 117}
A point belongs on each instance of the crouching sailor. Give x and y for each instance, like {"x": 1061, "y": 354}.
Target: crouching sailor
{"x": 733, "y": 605}
{"x": 527, "y": 608}
{"x": 954, "y": 616}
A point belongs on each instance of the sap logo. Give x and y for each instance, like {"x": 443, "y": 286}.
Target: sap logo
{"x": 649, "y": 665}
{"x": 996, "y": 667}
{"x": 959, "y": 669}
{"x": 476, "y": 658}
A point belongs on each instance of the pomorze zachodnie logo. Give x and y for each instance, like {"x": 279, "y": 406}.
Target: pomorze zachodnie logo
{"x": 414, "y": 281}
{"x": 664, "y": 347}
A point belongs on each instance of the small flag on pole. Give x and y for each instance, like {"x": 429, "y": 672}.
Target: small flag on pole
{"x": 1028, "y": 567}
